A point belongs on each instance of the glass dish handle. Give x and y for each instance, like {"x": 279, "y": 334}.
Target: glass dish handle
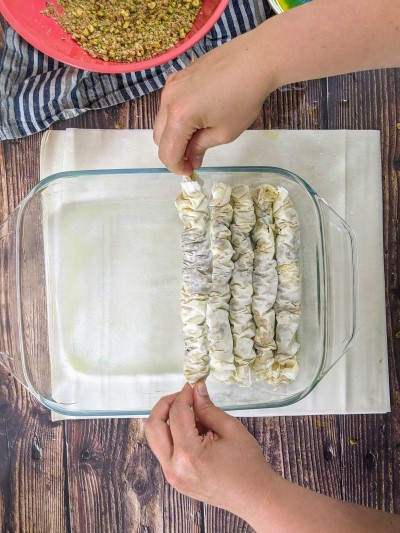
{"x": 341, "y": 285}
{"x": 10, "y": 356}
{"x": 5, "y": 359}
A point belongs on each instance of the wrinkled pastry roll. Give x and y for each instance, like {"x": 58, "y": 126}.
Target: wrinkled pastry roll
{"x": 220, "y": 344}
{"x": 241, "y": 318}
{"x": 288, "y": 298}
{"x": 265, "y": 282}
{"x": 192, "y": 205}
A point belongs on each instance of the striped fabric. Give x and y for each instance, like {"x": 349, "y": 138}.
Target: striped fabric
{"x": 36, "y": 91}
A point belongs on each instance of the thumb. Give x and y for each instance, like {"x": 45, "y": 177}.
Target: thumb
{"x": 209, "y": 415}
{"x": 202, "y": 140}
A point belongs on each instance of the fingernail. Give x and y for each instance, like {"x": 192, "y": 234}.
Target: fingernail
{"x": 201, "y": 388}
{"x": 197, "y": 161}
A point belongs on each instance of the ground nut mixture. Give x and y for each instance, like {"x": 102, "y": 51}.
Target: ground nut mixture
{"x": 125, "y": 30}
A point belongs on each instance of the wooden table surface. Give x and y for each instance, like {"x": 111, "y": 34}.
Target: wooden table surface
{"x": 100, "y": 475}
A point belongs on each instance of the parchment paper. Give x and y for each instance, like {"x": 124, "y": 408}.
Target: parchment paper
{"x": 344, "y": 168}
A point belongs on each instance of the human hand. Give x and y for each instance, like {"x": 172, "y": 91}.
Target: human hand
{"x": 208, "y": 454}
{"x": 212, "y": 102}
{"x": 215, "y": 99}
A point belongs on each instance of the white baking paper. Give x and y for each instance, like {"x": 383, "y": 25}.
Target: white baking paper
{"x": 344, "y": 168}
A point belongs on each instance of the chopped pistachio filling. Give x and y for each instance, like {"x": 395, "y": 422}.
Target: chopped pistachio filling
{"x": 125, "y": 30}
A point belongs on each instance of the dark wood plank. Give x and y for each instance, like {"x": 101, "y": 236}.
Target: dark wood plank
{"x": 116, "y": 117}
{"x": 315, "y": 464}
{"x": 367, "y": 461}
{"x": 21, "y": 164}
{"x": 297, "y": 106}
{"x": 219, "y": 520}
{"x": 116, "y": 483}
{"x": 143, "y": 111}
{"x": 32, "y": 475}
{"x": 180, "y": 513}
{"x": 371, "y": 469}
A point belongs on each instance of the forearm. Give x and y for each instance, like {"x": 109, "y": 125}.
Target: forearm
{"x": 217, "y": 97}
{"x": 326, "y": 37}
{"x": 290, "y": 508}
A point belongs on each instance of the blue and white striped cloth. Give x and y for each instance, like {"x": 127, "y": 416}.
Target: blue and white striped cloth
{"x": 36, "y": 91}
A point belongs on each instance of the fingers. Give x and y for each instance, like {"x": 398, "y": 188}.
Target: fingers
{"x": 183, "y": 151}
{"x": 210, "y": 415}
{"x": 202, "y": 140}
{"x": 157, "y": 430}
{"x": 182, "y": 421}
{"x": 172, "y": 145}
{"x": 174, "y": 126}
{"x": 162, "y": 113}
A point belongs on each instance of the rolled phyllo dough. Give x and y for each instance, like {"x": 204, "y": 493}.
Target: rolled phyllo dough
{"x": 241, "y": 318}
{"x": 288, "y": 298}
{"x": 193, "y": 208}
{"x": 220, "y": 344}
{"x": 265, "y": 282}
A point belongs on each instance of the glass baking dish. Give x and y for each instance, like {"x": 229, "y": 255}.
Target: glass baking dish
{"x": 90, "y": 274}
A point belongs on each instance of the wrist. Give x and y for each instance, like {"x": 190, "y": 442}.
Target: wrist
{"x": 274, "y": 63}
{"x": 258, "y": 505}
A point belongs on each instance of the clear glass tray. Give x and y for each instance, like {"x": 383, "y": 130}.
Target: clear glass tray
{"x": 91, "y": 273}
